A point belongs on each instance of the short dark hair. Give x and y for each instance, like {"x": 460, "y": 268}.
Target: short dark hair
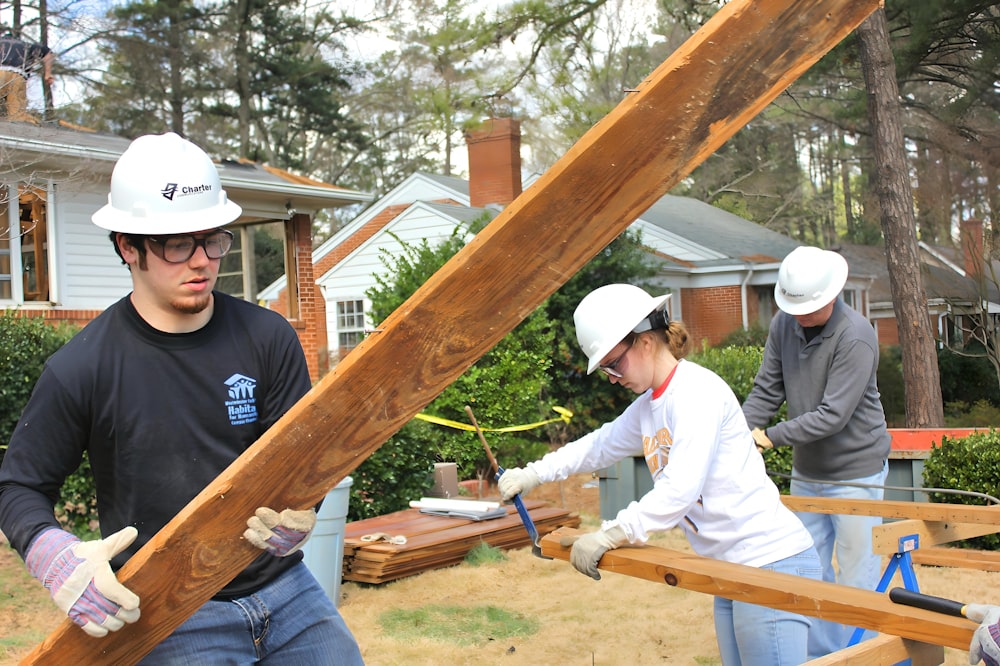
{"x": 138, "y": 241}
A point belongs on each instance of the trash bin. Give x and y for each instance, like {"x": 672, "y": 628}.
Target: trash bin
{"x": 323, "y": 553}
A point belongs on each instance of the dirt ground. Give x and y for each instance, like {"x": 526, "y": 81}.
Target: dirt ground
{"x": 618, "y": 620}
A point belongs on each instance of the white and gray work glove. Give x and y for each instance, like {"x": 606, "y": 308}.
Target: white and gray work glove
{"x": 590, "y": 548}
{"x": 985, "y": 643}
{"x": 78, "y": 575}
{"x": 517, "y": 481}
{"x": 280, "y": 534}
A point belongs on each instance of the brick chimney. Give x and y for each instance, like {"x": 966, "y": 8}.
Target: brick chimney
{"x": 972, "y": 247}
{"x": 494, "y": 162}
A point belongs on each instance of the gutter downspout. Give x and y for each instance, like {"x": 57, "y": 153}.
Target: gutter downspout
{"x": 743, "y": 297}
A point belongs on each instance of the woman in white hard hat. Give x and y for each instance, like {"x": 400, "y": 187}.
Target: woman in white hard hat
{"x": 708, "y": 477}
{"x": 163, "y": 391}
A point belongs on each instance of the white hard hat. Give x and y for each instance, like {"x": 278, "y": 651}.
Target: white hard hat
{"x": 809, "y": 278}
{"x": 609, "y": 313}
{"x": 164, "y": 184}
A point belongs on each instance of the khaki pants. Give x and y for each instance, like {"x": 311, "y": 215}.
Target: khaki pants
{"x": 14, "y": 90}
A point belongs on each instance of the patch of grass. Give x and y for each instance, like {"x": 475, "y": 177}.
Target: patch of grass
{"x": 484, "y": 553}
{"x": 456, "y": 624}
{"x": 707, "y": 661}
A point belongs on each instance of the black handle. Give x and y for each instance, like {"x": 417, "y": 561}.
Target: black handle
{"x": 906, "y": 597}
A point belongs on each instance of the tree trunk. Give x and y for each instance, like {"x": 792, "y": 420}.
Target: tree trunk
{"x": 921, "y": 380}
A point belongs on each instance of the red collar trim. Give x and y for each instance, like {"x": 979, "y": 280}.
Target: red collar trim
{"x": 663, "y": 387}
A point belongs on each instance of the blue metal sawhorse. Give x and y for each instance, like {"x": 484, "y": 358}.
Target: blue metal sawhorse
{"x": 902, "y": 562}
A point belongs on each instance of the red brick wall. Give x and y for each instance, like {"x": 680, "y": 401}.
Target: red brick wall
{"x": 78, "y": 318}
{"x": 711, "y": 313}
{"x": 311, "y": 324}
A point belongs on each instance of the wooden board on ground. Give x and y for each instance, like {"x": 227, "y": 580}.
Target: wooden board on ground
{"x": 716, "y": 82}
{"x": 836, "y": 603}
{"x": 433, "y": 542}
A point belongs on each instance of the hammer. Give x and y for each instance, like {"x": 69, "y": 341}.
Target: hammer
{"x": 536, "y": 545}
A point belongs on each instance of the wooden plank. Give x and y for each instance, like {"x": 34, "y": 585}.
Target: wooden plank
{"x": 715, "y": 83}
{"x": 983, "y": 560}
{"x": 884, "y": 650}
{"x": 837, "y": 603}
{"x": 885, "y": 538}
{"x": 953, "y": 513}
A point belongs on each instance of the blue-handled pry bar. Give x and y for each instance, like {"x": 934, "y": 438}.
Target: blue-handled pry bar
{"x": 536, "y": 543}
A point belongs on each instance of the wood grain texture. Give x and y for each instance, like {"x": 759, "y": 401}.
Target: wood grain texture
{"x": 837, "y": 603}
{"x": 715, "y": 83}
{"x": 931, "y": 511}
{"x": 884, "y": 651}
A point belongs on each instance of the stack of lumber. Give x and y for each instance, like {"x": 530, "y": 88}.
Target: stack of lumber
{"x": 434, "y": 541}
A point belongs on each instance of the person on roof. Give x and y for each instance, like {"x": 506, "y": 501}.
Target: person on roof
{"x": 19, "y": 58}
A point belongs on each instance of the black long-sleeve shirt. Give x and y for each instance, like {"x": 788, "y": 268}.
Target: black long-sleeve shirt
{"x": 160, "y": 415}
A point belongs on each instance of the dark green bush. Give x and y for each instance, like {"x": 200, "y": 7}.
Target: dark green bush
{"x": 969, "y": 463}
{"x": 968, "y": 377}
{"x": 890, "y": 385}
{"x": 25, "y": 344}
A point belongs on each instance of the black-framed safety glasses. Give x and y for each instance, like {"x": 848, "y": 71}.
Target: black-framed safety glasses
{"x": 178, "y": 248}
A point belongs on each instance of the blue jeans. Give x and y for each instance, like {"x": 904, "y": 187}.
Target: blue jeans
{"x": 751, "y": 635}
{"x": 288, "y": 621}
{"x": 851, "y": 536}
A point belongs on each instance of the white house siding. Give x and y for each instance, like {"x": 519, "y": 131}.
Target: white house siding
{"x": 89, "y": 275}
{"x": 352, "y": 277}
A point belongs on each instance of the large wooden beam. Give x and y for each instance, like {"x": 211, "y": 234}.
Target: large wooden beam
{"x": 837, "y": 603}
{"x": 715, "y": 83}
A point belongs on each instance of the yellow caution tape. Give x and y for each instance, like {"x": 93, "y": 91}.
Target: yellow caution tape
{"x": 564, "y": 415}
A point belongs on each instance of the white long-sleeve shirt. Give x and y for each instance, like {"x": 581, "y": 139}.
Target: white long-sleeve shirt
{"x": 707, "y": 474}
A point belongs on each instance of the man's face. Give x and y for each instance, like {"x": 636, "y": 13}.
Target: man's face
{"x": 818, "y": 318}
{"x": 181, "y": 288}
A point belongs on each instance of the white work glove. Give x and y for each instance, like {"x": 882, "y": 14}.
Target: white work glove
{"x": 985, "y": 643}
{"x": 761, "y": 439}
{"x": 280, "y": 534}
{"x": 590, "y": 548}
{"x": 78, "y": 575}
{"x": 517, "y": 481}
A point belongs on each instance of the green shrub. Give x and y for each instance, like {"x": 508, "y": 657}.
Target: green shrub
{"x": 890, "y": 385}
{"x": 738, "y": 366}
{"x": 25, "y": 344}
{"x": 969, "y": 463}
{"x": 968, "y": 377}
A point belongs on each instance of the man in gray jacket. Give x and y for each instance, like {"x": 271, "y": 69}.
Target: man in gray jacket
{"x": 821, "y": 357}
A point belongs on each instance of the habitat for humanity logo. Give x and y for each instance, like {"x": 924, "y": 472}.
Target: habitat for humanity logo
{"x": 242, "y": 406}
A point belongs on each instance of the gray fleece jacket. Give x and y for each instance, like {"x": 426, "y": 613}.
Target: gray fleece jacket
{"x": 835, "y": 424}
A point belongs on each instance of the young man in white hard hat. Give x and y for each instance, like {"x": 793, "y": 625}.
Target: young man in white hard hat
{"x": 707, "y": 476}
{"x": 821, "y": 358}
{"x": 163, "y": 391}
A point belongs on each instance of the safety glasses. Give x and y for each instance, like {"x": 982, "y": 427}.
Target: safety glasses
{"x": 611, "y": 369}
{"x": 178, "y": 248}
